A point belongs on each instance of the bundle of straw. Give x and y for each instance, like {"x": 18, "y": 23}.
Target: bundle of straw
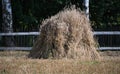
{"x": 68, "y": 34}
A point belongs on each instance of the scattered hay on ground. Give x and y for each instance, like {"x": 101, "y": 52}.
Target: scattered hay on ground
{"x": 68, "y": 34}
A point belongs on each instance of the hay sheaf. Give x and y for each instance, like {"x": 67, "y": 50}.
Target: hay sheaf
{"x": 68, "y": 34}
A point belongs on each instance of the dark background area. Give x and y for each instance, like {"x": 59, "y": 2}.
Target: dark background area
{"x": 0, "y": 15}
{"x": 27, "y": 15}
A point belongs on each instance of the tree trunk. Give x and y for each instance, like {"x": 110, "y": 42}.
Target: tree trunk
{"x": 7, "y": 22}
{"x": 86, "y": 4}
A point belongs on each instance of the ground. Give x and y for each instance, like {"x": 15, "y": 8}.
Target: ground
{"x": 16, "y": 62}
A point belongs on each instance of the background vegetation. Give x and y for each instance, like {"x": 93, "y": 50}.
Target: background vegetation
{"x": 27, "y": 15}
{"x": 105, "y": 14}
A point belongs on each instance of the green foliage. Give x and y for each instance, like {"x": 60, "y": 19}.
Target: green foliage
{"x": 27, "y": 15}
{"x": 105, "y": 13}
{"x": 0, "y": 15}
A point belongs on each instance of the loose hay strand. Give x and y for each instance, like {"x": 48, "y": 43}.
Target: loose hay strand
{"x": 67, "y": 34}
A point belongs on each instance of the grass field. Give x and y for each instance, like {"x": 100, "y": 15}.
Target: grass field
{"x": 16, "y": 62}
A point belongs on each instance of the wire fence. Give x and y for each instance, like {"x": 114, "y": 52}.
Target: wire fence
{"x": 24, "y": 40}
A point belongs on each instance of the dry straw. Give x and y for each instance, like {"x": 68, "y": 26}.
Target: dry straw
{"x": 68, "y": 34}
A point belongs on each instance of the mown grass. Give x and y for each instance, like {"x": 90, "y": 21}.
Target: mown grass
{"x": 18, "y": 63}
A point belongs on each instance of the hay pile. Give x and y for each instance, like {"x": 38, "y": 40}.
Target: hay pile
{"x": 66, "y": 35}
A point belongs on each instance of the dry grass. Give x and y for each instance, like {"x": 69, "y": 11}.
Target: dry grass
{"x": 67, "y": 34}
{"x": 14, "y": 63}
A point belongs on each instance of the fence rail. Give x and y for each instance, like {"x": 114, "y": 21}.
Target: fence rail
{"x": 107, "y": 33}
{"x": 37, "y": 33}
{"x": 19, "y": 33}
{"x": 15, "y": 48}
